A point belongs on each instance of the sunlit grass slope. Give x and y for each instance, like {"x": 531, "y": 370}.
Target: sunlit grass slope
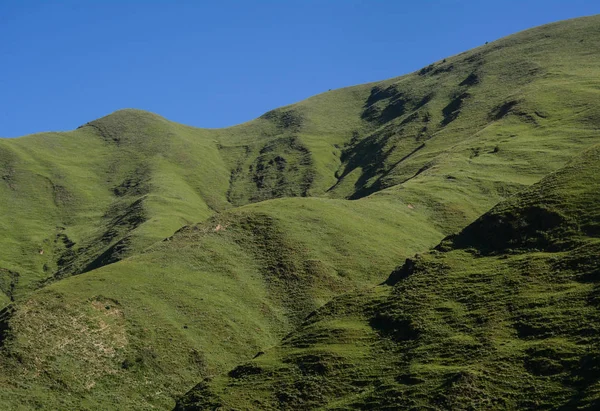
{"x": 264, "y": 222}
{"x": 212, "y": 295}
{"x": 74, "y": 201}
{"x": 452, "y": 139}
{"x": 505, "y": 315}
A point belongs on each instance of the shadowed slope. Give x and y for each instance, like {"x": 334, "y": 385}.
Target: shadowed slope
{"x": 516, "y": 327}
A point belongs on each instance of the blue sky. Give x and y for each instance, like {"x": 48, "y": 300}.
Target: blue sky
{"x": 220, "y": 63}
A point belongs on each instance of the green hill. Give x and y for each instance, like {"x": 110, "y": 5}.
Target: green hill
{"x": 505, "y": 315}
{"x": 141, "y": 256}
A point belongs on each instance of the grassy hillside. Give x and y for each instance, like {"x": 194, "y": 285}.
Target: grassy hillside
{"x": 141, "y": 256}
{"x": 212, "y": 295}
{"x": 455, "y": 138}
{"x": 505, "y": 315}
{"x": 74, "y": 201}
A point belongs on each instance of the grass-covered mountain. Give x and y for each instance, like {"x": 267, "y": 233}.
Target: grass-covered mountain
{"x": 504, "y": 315}
{"x": 141, "y": 256}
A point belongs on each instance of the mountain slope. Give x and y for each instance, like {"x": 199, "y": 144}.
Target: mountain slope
{"x": 75, "y": 201}
{"x": 456, "y": 137}
{"x": 503, "y": 315}
{"x": 207, "y": 298}
{"x": 100, "y": 311}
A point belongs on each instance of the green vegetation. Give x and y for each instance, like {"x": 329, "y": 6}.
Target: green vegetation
{"x": 201, "y": 301}
{"x": 141, "y": 256}
{"x": 505, "y": 315}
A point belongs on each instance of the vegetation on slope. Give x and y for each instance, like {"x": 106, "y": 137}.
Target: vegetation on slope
{"x": 289, "y": 270}
{"x": 71, "y": 202}
{"x": 199, "y": 302}
{"x": 101, "y": 313}
{"x": 456, "y": 137}
{"x": 505, "y": 315}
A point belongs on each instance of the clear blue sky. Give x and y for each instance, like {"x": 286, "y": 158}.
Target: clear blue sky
{"x": 219, "y": 63}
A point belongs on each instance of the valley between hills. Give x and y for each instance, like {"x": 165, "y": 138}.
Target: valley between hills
{"x": 429, "y": 241}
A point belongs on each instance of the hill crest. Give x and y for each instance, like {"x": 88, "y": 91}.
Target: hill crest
{"x": 309, "y": 203}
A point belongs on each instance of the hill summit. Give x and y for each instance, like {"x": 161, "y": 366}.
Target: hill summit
{"x": 142, "y": 257}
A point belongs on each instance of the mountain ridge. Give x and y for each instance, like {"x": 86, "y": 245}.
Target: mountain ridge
{"x": 443, "y": 332}
{"x": 285, "y": 213}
